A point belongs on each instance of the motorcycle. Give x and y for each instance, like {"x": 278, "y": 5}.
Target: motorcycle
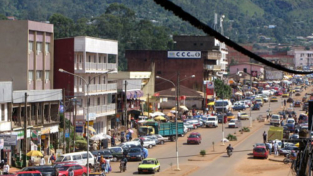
{"x": 229, "y": 152}
{"x": 122, "y": 166}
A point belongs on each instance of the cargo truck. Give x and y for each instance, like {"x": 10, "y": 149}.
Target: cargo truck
{"x": 167, "y": 129}
{"x": 275, "y": 133}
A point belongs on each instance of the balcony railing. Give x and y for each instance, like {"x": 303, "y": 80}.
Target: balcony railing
{"x": 99, "y": 110}
{"x": 99, "y": 66}
{"x": 93, "y": 88}
{"x": 212, "y": 67}
{"x": 214, "y": 55}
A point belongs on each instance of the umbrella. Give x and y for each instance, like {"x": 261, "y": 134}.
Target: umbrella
{"x": 158, "y": 113}
{"x": 91, "y": 129}
{"x": 184, "y": 108}
{"x": 34, "y": 153}
{"x": 97, "y": 137}
{"x": 211, "y": 103}
{"x": 159, "y": 118}
{"x": 145, "y": 113}
{"x": 170, "y": 114}
{"x": 105, "y": 136}
{"x": 248, "y": 93}
{"x": 130, "y": 130}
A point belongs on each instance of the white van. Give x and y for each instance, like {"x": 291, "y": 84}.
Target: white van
{"x": 79, "y": 157}
{"x": 223, "y": 105}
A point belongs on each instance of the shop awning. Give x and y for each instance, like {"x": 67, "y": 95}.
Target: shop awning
{"x": 91, "y": 129}
{"x": 211, "y": 103}
{"x": 54, "y": 129}
{"x": 45, "y": 130}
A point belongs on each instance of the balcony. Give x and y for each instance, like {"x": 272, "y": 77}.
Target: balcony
{"x": 90, "y": 66}
{"x": 214, "y": 55}
{"x": 97, "y": 111}
{"x": 96, "y": 88}
{"x": 212, "y": 67}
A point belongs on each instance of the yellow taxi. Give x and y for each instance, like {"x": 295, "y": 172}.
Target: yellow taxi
{"x": 230, "y": 116}
{"x": 292, "y": 90}
{"x": 244, "y": 116}
{"x": 285, "y": 94}
{"x": 274, "y": 99}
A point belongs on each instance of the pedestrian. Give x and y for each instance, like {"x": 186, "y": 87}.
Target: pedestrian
{"x": 239, "y": 115}
{"x": 122, "y": 136}
{"x": 6, "y": 168}
{"x": 270, "y": 147}
{"x": 130, "y": 134}
{"x": 113, "y": 141}
{"x": 285, "y": 102}
{"x": 102, "y": 163}
{"x": 141, "y": 142}
{"x": 127, "y": 137}
{"x": 52, "y": 159}
{"x": 264, "y": 137}
{"x": 42, "y": 161}
{"x": 275, "y": 148}
{"x": 107, "y": 166}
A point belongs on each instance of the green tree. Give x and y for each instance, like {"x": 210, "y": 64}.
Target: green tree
{"x": 63, "y": 26}
{"x": 222, "y": 90}
{"x": 3, "y": 17}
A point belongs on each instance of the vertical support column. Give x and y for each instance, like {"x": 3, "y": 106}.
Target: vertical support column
{"x": 19, "y": 114}
{"x": 126, "y": 118}
{"x": 36, "y": 117}
{"x": 49, "y": 112}
{"x": 29, "y": 114}
{"x": 25, "y": 130}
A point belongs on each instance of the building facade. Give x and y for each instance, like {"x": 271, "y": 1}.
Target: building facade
{"x": 26, "y": 54}
{"x": 256, "y": 70}
{"x": 303, "y": 59}
{"x": 92, "y": 59}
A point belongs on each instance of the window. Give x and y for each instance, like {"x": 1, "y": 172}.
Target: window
{"x": 47, "y": 75}
{"x": 47, "y": 47}
{"x": 103, "y": 79}
{"x": 39, "y": 47}
{"x": 80, "y": 58}
{"x": 30, "y": 76}
{"x": 300, "y": 63}
{"x": 77, "y": 167}
{"x": 98, "y": 100}
{"x": 89, "y": 59}
{"x": 99, "y": 59}
{"x": 301, "y": 58}
{"x": 30, "y": 46}
{"x": 245, "y": 70}
{"x": 2, "y": 112}
{"x": 94, "y": 59}
{"x": 99, "y": 79}
{"x": 38, "y": 75}
{"x": 77, "y": 157}
{"x": 301, "y": 55}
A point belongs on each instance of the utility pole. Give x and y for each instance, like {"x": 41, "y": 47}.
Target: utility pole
{"x": 148, "y": 106}
{"x": 64, "y": 110}
{"x": 74, "y": 125}
{"x": 25, "y": 130}
{"x": 176, "y": 124}
{"x": 125, "y": 108}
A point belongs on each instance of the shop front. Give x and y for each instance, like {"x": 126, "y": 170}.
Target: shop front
{"x": 49, "y": 139}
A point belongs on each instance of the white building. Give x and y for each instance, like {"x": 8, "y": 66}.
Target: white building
{"x": 303, "y": 58}
{"x": 223, "y": 59}
{"x": 91, "y": 59}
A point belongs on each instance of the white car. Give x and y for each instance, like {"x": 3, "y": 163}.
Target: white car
{"x": 291, "y": 121}
{"x": 233, "y": 123}
{"x": 212, "y": 122}
{"x": 147, "y": 142}
{"x": 275, "y": 119}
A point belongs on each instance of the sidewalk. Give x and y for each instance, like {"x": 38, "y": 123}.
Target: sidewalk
{"x": 279, "y": 158}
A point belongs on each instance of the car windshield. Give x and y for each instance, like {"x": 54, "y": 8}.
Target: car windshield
{"x": 211, "y": 119}
{"x": 193, "y": 136}
{"x": 116, "y": 150}
{"x": 134, "y": 150}
{"x": 275, "y": 117}
{"x": 243, "y": 113}
{"x": 107, "y": 152}
{"x": 290, "y": 121}
{"x": 63, "y": 168}
{"x": 147, "y": 162}
{"x": 59, "y": 159}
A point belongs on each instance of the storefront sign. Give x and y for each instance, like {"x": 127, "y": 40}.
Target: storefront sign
{"x": 7, "y": 148}
{"x": 54, "y": 129}
{"x": 184, "y": 54}
{"x": 45, "y": 130}
{"x": 8, "y": 139}
{"x": 79, "y": 129}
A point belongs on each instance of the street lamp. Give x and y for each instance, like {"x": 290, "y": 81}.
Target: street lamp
{"x": 177, "y": 107}
{"x": 88, "y": 104}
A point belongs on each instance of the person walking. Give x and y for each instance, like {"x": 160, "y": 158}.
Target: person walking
{"x": 239, "y": 114}
{"x": 285, "y": 102}
{"x": 141, "y": 142}
{"x": 42, "y": 161}
{"x": 6, "y": 169}
{"x": 264, "y": 137}
{"x": 275, "y": 148}
{"x": 52, "y": 159}
{"x": 270, "y": 147}
{"x": 113, "y": 141}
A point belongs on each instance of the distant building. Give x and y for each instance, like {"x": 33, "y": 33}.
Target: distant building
{"x": 235, "y": 57}
{"x": 257, "y": 70}
{"x": 303, "y": 58}
{"x": 281, "y": 59}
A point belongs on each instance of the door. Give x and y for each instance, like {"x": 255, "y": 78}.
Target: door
{"x": 78, "y": 170}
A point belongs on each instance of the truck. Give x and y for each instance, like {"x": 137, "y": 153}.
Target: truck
{"x": 275, "y": 133}
{"x": 222, "y": 105}
{"x": 212, "y": 121}
{"x": 167, "y": 129}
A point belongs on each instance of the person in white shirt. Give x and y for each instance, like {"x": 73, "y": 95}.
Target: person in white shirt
{"x": 239, "y": 115}
{"x": 6, "y": 169}
{"x": 275, "y": 145}
{"x": 42, "y": 161}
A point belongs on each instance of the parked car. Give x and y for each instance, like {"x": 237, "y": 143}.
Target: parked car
{"x": 194, "y": 138}
{"x": 291, "y": 121}
{"x": 147, "y": 142}
{"x": 230, "y": 116}
{"x": 28, "y": 173}
{"x": 79, "y": 157}
{"x": 244, "y": 116}
{"x": 44, "y": 170}
{"x": 287, "y": 150}
{"x": 147, "y": 165}
{"x": 117, "y": 153}
{"x": 260, "y": 152}
{"x": 220, "y": 118}
{"x": 305, "y": 106}
{"x": 303, "y": 118}
{"x": 152, "y": 137}
{"x": 233, "y": 123}
{"x": 161, "y": 139}
{"x": 278, "y": 93}
{"x": 239, "y": 107}
{"x": 274, "y": 99}
{"x": 259, "y": 101}
{"x": 285, "y": 94}
{"x": 135, "y": 154}
{"x": 294, "y": 136}
{"x": 190, "y": 126}
{"x": 290, "y": 100}
{"x": 275, "y": 119}
{"x": 297, "y": 104}
{"x": 77, "y": 169}
{"x": 211, "y": 121}
{"x": 105, "y": 153}
{"x": 256, "y": 107}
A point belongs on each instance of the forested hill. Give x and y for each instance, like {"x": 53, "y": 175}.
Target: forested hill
{"x": 141, "y": 24}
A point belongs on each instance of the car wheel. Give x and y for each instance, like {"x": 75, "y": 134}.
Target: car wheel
{"x": 162, "y": 142}
{"x": 150, "y": 146}
{"x": 139, "y": 172}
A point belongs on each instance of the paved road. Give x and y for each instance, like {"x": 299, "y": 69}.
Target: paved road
{"x": 167, "y": 153}
{"x": 225, "y": 165}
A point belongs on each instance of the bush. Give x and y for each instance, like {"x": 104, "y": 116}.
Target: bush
{"x": 245, "y": 129}
{"x": 231, "y": 137}
{"x": 202, "y": 152}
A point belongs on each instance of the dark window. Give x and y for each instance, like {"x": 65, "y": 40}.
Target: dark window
{"x": 159, "y": 72}
{"x": 195, "y": 44}
{"x": 77, "y": 167}
{"x": 245, "y": 70}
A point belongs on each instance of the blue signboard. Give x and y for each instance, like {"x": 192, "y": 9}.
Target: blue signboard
{"x": 79, "y": 129}
{"x": 67, "y": 135}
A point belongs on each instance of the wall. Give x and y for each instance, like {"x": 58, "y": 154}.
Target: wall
{"x": 198, "y": 43}
{"x": 64, "y": 58}
{"x": 140, "y": 60}
{"x": 14, "y": 52}
{"x": 5, "y": 92}
{"x": 235, "y": 68}
{"x": 236, "y": 56}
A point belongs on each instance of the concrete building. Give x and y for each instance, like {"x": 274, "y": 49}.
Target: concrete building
{"x": 281, "y": 59}
{"x": 92, "y": 59}
{"x": 235, "y": 57}
{"x": 26, "y": 59}
{"x": 303, "y": 59}
{"x": 257, "y": 69}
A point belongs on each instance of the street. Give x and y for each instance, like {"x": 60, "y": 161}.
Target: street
{"x": 166, "y": 154}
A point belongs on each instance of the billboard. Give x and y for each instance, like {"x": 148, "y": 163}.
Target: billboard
{"x": 273, "y": 75}
{"x": 184, "y": 54}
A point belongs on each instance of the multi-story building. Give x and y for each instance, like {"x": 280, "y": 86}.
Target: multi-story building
{"x": 26, "y": 59}
{"x": 303, "y": 59}
{"x": 92, "y": 59}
